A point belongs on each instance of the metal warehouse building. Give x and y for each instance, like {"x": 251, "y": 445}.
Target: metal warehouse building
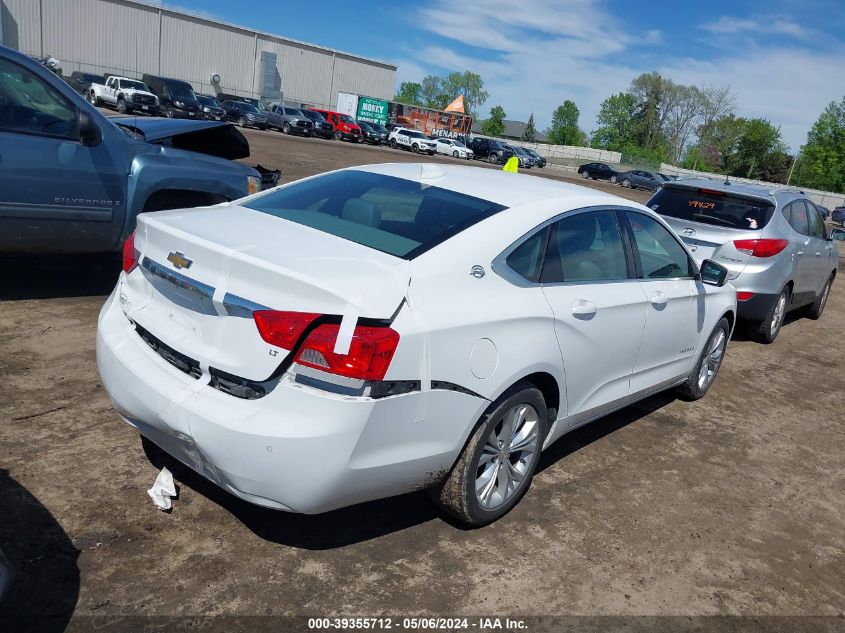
{"x": 131, "y": 38}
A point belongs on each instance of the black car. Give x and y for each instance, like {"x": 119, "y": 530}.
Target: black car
{"x": 81, "y": 82}
{"x": 210, "y": 108}
{"x": 373, "y": 132}
{"x": 176, "y": 98}
{"x": 322, "y": 128}
{"x": 222, "y": 96}
{"x": 639, "y": 179}
{"x": 491, "y": 150}
{"x": 598, "y": 171}
{"x": 244, "y": 114}
{"x": 539, "y": 161}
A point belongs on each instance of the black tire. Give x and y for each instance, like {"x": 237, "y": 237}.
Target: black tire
{"x": 692, "y": 388}
{"x": 431, "y": 152}
{"x": 121, "y": 105}
{"x": 585, "y": 175}
{"x": 338, "y": 136}
{"x": 815, "y": 309}
{"x": 286, "y": 128}
{"x": 415, "y": 148}
{"x": 455, "y": 153}
{"x": 626, "y": 183}
{"x": 766, "y": 331}
{"x": 491, "y": 158}
{"x": 169, "y": 113}
{"x": 614, "y": 179}
{"x": 241, "y": 122}
{"x": 457, "y": 494}
{"x": 393, "y": 143}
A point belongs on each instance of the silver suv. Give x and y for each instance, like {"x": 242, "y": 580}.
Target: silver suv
{"x": 773, "y": 242}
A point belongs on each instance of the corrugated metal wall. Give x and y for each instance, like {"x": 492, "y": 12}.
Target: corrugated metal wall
{"x": 128, "y": 37}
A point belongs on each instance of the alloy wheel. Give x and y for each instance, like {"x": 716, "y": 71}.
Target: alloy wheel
{"x": 506, "y": 457}
{"x": 778, "y": 315}
{"x": 712, "y": 359}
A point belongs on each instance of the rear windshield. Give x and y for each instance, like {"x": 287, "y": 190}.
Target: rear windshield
{"x": 392, "y": 215}
{"x": 711, "y": 207}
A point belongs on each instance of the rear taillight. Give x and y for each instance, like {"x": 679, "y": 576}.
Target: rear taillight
{"x": 761, "y": 247}
{"x": 369, "y": 355}
{"x": 130, "y": 254}
{"x": 282, "y": 329}
{"x": 743, "y": 295}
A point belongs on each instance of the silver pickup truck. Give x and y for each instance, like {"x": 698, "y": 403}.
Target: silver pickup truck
{"x": 73, "y": 180}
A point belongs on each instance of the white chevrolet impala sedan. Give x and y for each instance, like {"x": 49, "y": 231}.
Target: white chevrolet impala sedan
{"x": 381, "y": 329}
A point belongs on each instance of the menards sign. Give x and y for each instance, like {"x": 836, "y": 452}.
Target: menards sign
{"x": 372, "y": 110}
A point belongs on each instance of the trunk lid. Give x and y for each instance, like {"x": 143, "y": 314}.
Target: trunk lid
{"x": 204, "y": 271}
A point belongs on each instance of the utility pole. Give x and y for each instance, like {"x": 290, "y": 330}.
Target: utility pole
{"x": 791, "y": 169}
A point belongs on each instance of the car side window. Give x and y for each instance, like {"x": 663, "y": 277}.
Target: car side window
{"x": 661, "y": 256}
{"x": 585, "y": 247}
{"x": 527, "y": 258}
{"x": 816, "y": 223}
{"x": 796, "y": 215}
{"x": 29, "y": 104}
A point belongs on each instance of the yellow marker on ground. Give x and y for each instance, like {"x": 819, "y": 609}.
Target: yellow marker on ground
{"x": 512, "y": 165}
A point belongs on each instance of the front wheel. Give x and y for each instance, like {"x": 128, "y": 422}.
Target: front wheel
{"x": 286, "y": 128}
{"x": 491, "y": 158}
{"x": 338, "y": 136}
{"x": 704, "y": 372}
{"x": 499, "y": 459}
{"x": 121, "y": 106}
{"x": 626, "y": 183}
{"x": 455, "y": 153}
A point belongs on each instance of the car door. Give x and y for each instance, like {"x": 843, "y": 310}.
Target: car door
{"x": 802, "y": 250}
{"x": 599, "y": 309}
{"x": 674, "y": 315}
{"x": 53, "y": 188}
{"x": 820, "y": 247}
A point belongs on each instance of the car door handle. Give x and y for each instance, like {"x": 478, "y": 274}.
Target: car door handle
{"x": 583, "y": 309}
{"x": 659, "y": 299}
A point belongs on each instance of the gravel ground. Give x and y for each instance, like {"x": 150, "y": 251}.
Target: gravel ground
{"x": 731, "y": 505}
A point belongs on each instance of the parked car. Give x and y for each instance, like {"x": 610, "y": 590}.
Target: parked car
{"x": 666, "y": 177}
{"x": 210, "y": 108}
{"x": 373, "y": 133}
{"x": 176, "y": 98}
{"x": 413, "y": 140}
{"x": 539, "y": 161}
{"x": 244, "y": 114}
{"x": 773, "y": 243}
{"x": 289, "y": 120}
{"x": 491, "y": 150}
{"x": 81, "y": 82}
{"x": 452, "y": 147}
{"x": 127, "y": 95}
{"x": 259, "y": 105}
{"x": 838, "y": 215}
{"x": 81, "y": 178}
{"x": 526, "y": 160}
{"x": 455, "y": 382}
{"x": 837, "y": 235}
{"x": 322, "y": 128}
{"x": 598, "y": 171}
{"x": 345, "y": 128}
{"x": 639, "y": 179}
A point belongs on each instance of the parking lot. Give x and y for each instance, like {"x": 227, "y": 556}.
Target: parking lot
{"x": 734, "y": 504}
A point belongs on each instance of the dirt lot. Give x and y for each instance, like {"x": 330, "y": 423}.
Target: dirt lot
{"x": 731, "y": 505}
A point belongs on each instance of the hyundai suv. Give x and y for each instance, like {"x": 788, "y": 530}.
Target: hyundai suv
{"x": 773, "y": 242}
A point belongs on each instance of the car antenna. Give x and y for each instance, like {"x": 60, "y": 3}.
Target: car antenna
{"x": 727, "y": 182}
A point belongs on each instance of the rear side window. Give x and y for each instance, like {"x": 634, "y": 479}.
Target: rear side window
{"x": 527, "y": 258}
{"x": 712, "y": 207}
{"x": 796, "y": 215}
{"x": 817, "y": 229}
{"x": 401, "y": 217}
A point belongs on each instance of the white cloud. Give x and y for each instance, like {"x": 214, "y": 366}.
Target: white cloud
{"x": 538, "y": 53}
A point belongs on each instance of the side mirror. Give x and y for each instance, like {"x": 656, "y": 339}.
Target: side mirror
{"x": 90, "y": 134}
{"x": 713, "y": 274}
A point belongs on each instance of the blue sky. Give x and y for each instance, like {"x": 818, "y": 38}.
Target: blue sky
{"x": 784, "y": 60}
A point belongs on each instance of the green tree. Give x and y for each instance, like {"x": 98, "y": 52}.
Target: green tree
{"x": 822, "y": 161}
{"x": 410, "y": 92}
{"x": 616, "y": 123}
{"x": 758, "y": 148}
{"x": 564, "y": 129}
{"x": 431, "y": 93}
{"x": 468, "y": 84}
{"x": 716, "y": 149}
{"x": 529, "y": 134}
{"x": 494, "y": 126}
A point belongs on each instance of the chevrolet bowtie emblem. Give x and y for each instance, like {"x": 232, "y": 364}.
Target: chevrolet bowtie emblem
{"x": 179, "y": 260}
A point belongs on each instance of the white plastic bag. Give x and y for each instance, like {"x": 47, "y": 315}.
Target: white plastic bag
{"x": 163, "y": 488}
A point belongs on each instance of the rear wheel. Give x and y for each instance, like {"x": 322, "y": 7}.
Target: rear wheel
{"x": 705, "y": 370}
{"x": 585, "y": 175}
{"x": 767, "y": 330}
{"x": 393, "y": 143}
{"x": 815, "y": 309}
{"x": 499, "y": 459}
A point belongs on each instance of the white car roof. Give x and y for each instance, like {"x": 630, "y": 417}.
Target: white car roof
{"x": 497, "y": 186}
